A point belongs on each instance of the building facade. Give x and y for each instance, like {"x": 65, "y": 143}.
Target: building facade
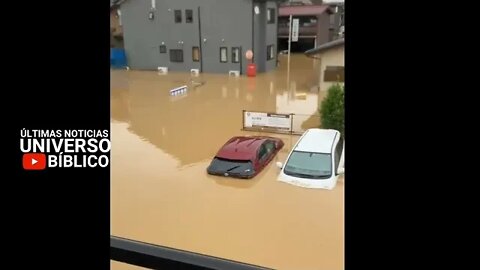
{"x": 314, "y": 26}
{"x": 337, "y": 20}
{"x": 332, "y": 62}
{"x": 209, "y": 35}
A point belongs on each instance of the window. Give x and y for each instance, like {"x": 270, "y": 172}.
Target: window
{"x": 234, "y": 167}
{"x": 189, "y": 16}
{"x": 334, "y": 74}
{"x": 262, "y": 153}
{"x": 331, "y": 34}
{"x": 271, "y": 15}
{"x": 270, "y": 147}
{"x": 270, "y": 52}
{"x": 176, "y": 56}
{"x": 338, "y": 153}
{"x": 163, "y": 49}
{"x": 235, "y": 55}
{"x": 223, "y": 55}
{"x": 178, "y": 16}
{"x": 309, "y": 165}
{"x": 195, "y": 54}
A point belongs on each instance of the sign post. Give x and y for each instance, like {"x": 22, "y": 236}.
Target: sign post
{"x": 289, "y": 39}
{"x": 289, "y": 45}
{"x": 269, "y": 121}
{"x": 295, "y": 25}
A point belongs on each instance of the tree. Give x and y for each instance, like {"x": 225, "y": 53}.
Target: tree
{"x": 332, "y": 110}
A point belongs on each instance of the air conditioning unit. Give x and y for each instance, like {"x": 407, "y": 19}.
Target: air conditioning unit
{"x": 163, "y": 70}
{"x": 234, "y": 73}
{"x": 194, "y": 72}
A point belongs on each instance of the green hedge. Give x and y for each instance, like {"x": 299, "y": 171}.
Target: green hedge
{"x": 332, "y": 110}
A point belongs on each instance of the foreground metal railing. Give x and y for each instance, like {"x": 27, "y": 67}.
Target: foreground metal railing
{"x": 159, "y": 257}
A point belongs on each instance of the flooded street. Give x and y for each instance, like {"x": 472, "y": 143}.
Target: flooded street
{"x": 162, "y": 145}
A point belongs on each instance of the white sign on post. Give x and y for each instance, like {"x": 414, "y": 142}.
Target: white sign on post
{"x": 267, "y": 120}
{"x": 295, "y": 24}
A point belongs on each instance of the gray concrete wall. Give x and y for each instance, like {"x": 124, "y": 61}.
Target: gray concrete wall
{"x": 223, "y": 23}
{"x": 259, "y": 33}
{"x": 141, "y": 48}
{"x": 271, "y": 37}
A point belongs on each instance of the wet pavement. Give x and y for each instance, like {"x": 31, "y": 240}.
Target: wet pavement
{"x": 162, "y": 145}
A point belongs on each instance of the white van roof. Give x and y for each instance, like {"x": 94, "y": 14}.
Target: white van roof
{"x": 317, "y": 140}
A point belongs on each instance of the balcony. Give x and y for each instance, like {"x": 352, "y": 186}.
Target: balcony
{"x": 302, "y": 31}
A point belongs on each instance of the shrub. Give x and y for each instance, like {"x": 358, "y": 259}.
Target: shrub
{"x": 332, "y": 110}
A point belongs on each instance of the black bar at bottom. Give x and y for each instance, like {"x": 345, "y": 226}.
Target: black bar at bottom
{"x": 159, "y": 257}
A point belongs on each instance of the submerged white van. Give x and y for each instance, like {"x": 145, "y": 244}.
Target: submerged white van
{"x": 316, "y": 160}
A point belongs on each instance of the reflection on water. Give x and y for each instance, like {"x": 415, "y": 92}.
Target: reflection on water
{"x": 161, "y": 146}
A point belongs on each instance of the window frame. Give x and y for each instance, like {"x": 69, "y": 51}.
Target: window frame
{"x": 199, "y": 56}
{"x": 334, "y": 74}
{"x": 164, "y": 47}
{"x": 175, "y": 59}
{"x": 271, "y": 12}
{"x": 175, "y": 13}
{"x": 270, "y": 57}
{"x": 226, "y": 54}
{"x": 233, "y": 58}
{"x": 186, "y": 15}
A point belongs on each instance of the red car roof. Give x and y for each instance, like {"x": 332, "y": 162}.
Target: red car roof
{"x": 242, "y": 147}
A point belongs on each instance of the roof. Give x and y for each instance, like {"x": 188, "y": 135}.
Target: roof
{"x": 317, "y": 140}
{"x": 241, "y": 148}
{"x": 326, "y": 46}
{"x": 304, "y": 10}
{"x": 116, "y": 3}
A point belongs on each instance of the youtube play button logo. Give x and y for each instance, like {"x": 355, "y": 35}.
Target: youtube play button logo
{"x": 34, "y": 161}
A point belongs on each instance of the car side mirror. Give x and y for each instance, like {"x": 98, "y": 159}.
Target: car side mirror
{"x": 341, "y": 171}
{"x": 279, "y": 165}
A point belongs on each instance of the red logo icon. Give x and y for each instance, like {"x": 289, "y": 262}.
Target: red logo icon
{"x": 34, "y": 161}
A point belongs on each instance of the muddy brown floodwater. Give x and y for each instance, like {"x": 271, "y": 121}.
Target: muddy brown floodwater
{"x": 162, "y": 145}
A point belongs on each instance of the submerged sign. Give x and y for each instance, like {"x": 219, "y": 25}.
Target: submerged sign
{"x": 267, "y": 120}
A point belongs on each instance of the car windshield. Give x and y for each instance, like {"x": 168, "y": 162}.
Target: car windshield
{"x": 221, "y": 165}
{"x": 309, "y": 165}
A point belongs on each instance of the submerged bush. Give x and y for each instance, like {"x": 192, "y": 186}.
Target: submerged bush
{"x": 332, "y": 110}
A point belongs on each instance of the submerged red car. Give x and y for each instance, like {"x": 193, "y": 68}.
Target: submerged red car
{"x": 244, "y": 157}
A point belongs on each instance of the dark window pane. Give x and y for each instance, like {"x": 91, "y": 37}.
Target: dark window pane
{"x": 235, "y": 55}
{"x": 176, "y": 56}
{"x": 263, "y": 152}
{"x": 163, "y": 49}
{"x": 271, "y": 15}
{"x": 270, "y": 52}
{"x": 178, "y": 16}
{"x": 334, "y": 74}
{"x": 188, "y": 16}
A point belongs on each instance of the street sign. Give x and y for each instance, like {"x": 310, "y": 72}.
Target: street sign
{"x": 295, "y": 25}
